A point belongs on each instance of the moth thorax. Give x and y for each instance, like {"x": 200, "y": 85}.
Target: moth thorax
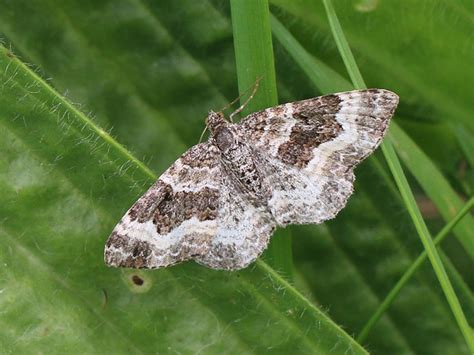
{"x": 224, "y": 139}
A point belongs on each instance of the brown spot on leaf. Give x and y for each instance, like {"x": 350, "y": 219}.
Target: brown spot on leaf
{"x": 137, "y": 280}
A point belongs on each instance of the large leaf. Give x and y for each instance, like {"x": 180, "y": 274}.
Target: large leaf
{"x": 63, "y": 187}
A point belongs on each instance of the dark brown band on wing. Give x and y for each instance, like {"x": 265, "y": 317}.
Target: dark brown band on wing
{"x": 316, "y": 124}
{"x": 177, "y": 207}
{"x": 168, "y": 209}
{"x": 138, "y": 253}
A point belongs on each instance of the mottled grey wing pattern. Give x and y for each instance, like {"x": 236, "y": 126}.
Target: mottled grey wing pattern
{"x": 192, "y": 212}
{"x": 175, "y": 218}
{"x": 243, "y": 232}
{"x": 221, "y": 201}
{"x": 311, "y": 147}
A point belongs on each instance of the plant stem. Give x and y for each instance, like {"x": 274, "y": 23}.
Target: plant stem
{"x": 254, "y": 60}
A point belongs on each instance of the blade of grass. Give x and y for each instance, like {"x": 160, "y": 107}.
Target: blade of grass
{"x": 447, "y": 202}
{"x": 327, "y": 80}
{"x": 254, "y": 59}
{"x": 409, "y": 274}
{"x": 254, "y": 51}
{"x": 402, "y": 183}
{"x": 343, "y": 46}
{"x": 466, "y": 141}
{"x": 430, "y": 249}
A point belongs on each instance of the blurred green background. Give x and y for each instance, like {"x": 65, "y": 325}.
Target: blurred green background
{"x": 147, "y": 72}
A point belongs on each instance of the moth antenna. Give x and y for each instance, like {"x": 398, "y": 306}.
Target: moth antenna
{"x": 254, "y": 91}
{"x": 202, "y": 134}
{"x": 233, "y": 101}
{"x": 240, "y": 96}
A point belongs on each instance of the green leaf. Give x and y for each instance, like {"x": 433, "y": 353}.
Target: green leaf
{"x": 56, "y": 291}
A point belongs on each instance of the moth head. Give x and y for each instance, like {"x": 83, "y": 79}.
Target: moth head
{"x": 214, "y": 120}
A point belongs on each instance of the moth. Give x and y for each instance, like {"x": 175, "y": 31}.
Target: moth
{"x": 220, "y": 202}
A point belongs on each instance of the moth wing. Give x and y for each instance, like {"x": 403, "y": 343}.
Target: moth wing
{"x": 175, "y": 219}
{"x": 193, "y": 211}
{"x": 243, "y": 232}
{"x": 309, "y": 149}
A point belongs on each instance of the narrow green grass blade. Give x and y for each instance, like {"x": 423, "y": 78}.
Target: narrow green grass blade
{"x": 79, "y": 180}
{"x": 328, "y": 80}
{"x": 254, "y": 52}
{"x": 466, "y": 141}
{"x": 437, "y": 188}
{"x": 400, "y": 179}
{"x": 254, "y": 59}
{"x": 410, "y": 272}
{"x": 430, "y": 249}
{"x": 343, "y": 46}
